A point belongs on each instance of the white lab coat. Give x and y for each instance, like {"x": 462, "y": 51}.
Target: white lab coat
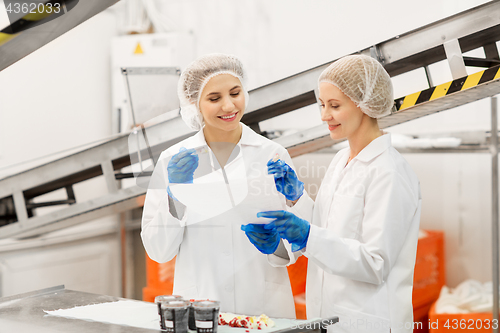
{"x": 362, "y": 242}
{"x": 215, "y": 259}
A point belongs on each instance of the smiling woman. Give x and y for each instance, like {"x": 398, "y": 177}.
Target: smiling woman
{"x": 211, "y": 78}
{"x": 215, "y": 256}
{"x": 361, "y": 235}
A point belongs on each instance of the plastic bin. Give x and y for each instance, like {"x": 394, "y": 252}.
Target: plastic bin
{"x": 429, "y": 274}
{"x": 159, "y": 279}
{"x": 460, "y": 322}
{"x": 298, "y": 274}
{"x": 421, "y": 318}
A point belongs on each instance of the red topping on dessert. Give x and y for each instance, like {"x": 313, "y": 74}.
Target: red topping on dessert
{"x": 245, "y": 321}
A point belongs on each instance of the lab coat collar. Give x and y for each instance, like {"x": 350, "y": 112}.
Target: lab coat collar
{"x": 197, "y": 140}
{"x": 248, "y": 137}
{"x": 375, "y": 148}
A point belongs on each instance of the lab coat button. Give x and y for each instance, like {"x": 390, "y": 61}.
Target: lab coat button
{"x": 229, "y": 288}
{"x": 227, "y": 253}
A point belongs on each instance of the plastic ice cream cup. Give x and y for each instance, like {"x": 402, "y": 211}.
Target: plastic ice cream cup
{"x": 175, "y": 316}
{"x": 206, "y": 314}
{"x": 165, "y": 298}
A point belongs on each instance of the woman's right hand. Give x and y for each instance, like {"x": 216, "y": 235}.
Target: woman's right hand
{"x": 285, "y": 179}
{"x": 289, "y": 226}
{"x": 182, "y": 165}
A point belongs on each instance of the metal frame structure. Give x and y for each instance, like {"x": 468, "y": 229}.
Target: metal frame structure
{"x": 442, "y": 40}
{"x": 25, "y": 36}
{"x": 494, "y": 209}
{"x": 398, "y": 54}
{"x": 471, "y": 29}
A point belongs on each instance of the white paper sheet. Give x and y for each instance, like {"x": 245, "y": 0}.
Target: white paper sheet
{"x": 123, "y": 312}
{"x": 247, "y": 196}
{"x": 206, "y": 199}
{"x": 262, "y": 196}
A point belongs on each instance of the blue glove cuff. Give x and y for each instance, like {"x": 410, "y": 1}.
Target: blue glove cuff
{"x": 298, "y": 194}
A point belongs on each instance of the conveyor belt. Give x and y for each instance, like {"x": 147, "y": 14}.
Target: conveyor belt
{"x": 474, "y": 28}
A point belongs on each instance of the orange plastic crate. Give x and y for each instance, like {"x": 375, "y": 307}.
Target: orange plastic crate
{"x": 300, "y": 306}
{"x": 460, "y": 322}
{"x": 149, "y": 294}
{"x": 159, "y": 279}
{"x": 429, "y": 274}
{"x": 298, "y": 274}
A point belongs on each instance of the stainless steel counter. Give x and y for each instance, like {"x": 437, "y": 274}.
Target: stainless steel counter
{"x": 25, "y": 314}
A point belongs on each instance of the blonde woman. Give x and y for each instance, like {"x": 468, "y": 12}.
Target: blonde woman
{"x": 361, "y": 236}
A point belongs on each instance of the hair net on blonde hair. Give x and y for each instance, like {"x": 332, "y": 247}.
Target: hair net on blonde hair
{"x": 196, "y": 76}
{"x": 365, "y": 81}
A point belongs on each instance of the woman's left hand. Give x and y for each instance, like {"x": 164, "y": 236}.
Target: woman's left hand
{"x": 265, "y": 240}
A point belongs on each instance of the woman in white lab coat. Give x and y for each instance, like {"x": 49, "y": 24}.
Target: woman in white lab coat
{"x": 215, "y": 258}
{"x": 361, "y": 242}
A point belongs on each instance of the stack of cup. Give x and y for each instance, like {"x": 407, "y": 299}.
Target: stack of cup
{"x": 163, "y": 299}
{"x": 206, "y": 315}
{"x": 175, "y": 316}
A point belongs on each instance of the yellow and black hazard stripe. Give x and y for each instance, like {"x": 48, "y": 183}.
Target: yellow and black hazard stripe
{"x": 26, "y": 22}
{"x": 448, "y": 88}
{"x": 5, "y": 37}
{"x": 30, "y": 20}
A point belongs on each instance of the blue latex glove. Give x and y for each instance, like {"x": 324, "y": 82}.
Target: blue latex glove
{"x": 285, "y": 179}
{"x": 182, "y": 165}
{"x": 290, "y": 227}
{"x": 265, "y": 240}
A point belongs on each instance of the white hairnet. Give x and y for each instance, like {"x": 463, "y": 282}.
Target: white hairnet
{"x": 195, "y": 77}
{"x": 365, "y": 81}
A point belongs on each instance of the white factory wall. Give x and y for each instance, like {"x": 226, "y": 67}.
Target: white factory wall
{"x": 278, "y": 38}
{"x": 59, "y": 97}
{"x": 55, "y": 99}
